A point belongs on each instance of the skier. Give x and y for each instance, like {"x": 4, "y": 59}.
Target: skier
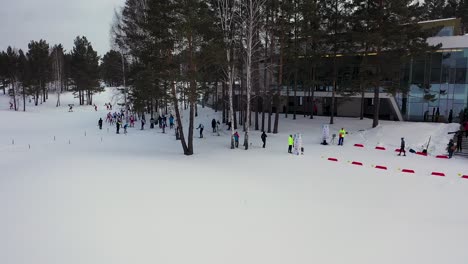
{"x": 125, "y": 128}
{"x": 71, "y": 108}
{"x": 100, "y": 123}
{"x": 450, "y": 117}
{"x": 132, "y": 121}
{"x": 152, "y": 123}
{"x": 164, "y": 125}
{"x": 290, "y": 143}
{"x": 402, "y": 147}
{"x": 143, "y": 121}
{"x": 160, "y": 121}
{"x": 11, "y": 105}
{"x": 95, "y": 107}
{"x": 437, "y": 115}
{"x": 213, "y": 125}
{"x": 171, "y": 122}
{"x": 450, "y": 148}
{"x": 236, "y": 139}
{"x": 117, "y": 124}
{"x": 342, "y": 134}
{"x": 229, "y": 125}
{"x": 217, "y": 126}
{"x": 459, "y": 141}
{"x": 201, "y": 127}
{"x": 263, "y": 136}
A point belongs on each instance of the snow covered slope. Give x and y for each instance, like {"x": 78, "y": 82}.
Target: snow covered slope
{"x": 92, "y": 196}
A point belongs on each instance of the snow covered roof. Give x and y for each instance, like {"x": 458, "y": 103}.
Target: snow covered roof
{"x": 437, "y": 20}
{"x": 450, "y": 42}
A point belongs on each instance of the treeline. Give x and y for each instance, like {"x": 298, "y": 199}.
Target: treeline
{"x": 44, "y": 68}
{"x": 251, "y": 51}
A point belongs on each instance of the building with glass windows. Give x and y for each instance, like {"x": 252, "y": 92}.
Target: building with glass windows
{"x": 439, "y": 81}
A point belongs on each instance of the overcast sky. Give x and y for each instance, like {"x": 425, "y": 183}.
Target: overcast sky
{"x": 56, "y": 21}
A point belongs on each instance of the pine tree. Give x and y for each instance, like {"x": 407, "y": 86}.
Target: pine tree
{"x": 24, "y": 76}
{"x": 40, "y": 63}
{"x": 85, "y": 70}
{"x": 12, "y": 71}
{"x": 111, "y": 68}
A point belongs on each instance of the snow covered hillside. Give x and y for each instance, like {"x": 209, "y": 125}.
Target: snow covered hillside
{"x": 71, "y": 193}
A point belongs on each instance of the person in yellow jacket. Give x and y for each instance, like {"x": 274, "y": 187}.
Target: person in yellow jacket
{"x": 290, "y": 143}
{"x": 342, "y": 135}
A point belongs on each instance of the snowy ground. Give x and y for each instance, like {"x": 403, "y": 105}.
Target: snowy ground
{"x": 92, "y": 196}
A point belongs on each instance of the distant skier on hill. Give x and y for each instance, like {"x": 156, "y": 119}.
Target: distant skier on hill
{"x": 100, "y": 123}
{"x": 450, "y": 148}
{"x": 263, "y": 136}
{"x": 118, "y": 124}
{"x": 201, "y": 127}
{"x": 213, "y": 125}
{"x": 171, "y": 122}
{"x": 402, "y": 147}
{"x": 236, "y": 139}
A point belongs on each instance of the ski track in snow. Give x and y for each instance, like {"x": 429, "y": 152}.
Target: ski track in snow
{"x": 92, "y": 196}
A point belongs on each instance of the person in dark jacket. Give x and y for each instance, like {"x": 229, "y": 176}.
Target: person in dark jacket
{"x": 450, "y": 148}
{"x": 264, "y": 136}
{"x": 213, "y": 125}
{"x": 450, "y": 117}
{"x": 459, "y": 141}
{"x": 402, "y": 147}
{"x": 236, "y": 139}
{"x": 100, "y": 123}
{"x": 117, "y": 124}
{"x": 201, "y": 127}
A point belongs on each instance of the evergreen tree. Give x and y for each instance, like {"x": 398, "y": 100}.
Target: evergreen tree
{"x": 433, "y": 9}
{"x": 24, "y": 76}
{"x": 12, "y": 72}
{"x": 40, "y": 63}
{"x": 85, "y": 70}
{"x": 111, "y": 68}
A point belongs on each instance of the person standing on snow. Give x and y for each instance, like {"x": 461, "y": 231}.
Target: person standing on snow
{"x": 100, "y": 123}
{"x": 143, "y": 121}
{"x": 450, "y": 148}
{"x": 290, "y": 143}
{"x": 402, "y": 147}
{"x": 117, "y": 124}
{"x": 236, "y": 139}
{"x": 263, "y": 136}
{"x": 213, "y": 125}
{"x": 342, "y": 133}
{"x": 171, "y": 122}
{"x": 125, "y": 128}
{"x": 201, "y": 127}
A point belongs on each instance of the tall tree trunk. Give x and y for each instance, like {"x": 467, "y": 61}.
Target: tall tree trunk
{"x": 295, "y": 95}
{"x": 13, "y": 88}
{"x": 312, "y": 99}
{"x": 375, "y": 122}
{"x": 280, "y": 84}
{"x": 363, "y": 100}
{"x": 24, "y": 98}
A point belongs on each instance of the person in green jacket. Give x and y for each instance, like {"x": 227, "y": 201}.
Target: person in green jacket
{"x": 342, "y": 134}
{"x": 290, "y": 143}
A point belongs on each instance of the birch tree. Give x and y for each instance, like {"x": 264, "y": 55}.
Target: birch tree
{"x": 57, "y": 58}
{"x": 251, "y": 17}
{"x": 226, "y": 13}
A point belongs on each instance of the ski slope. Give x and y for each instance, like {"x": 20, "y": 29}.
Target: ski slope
{"x": 92, "y": 196}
